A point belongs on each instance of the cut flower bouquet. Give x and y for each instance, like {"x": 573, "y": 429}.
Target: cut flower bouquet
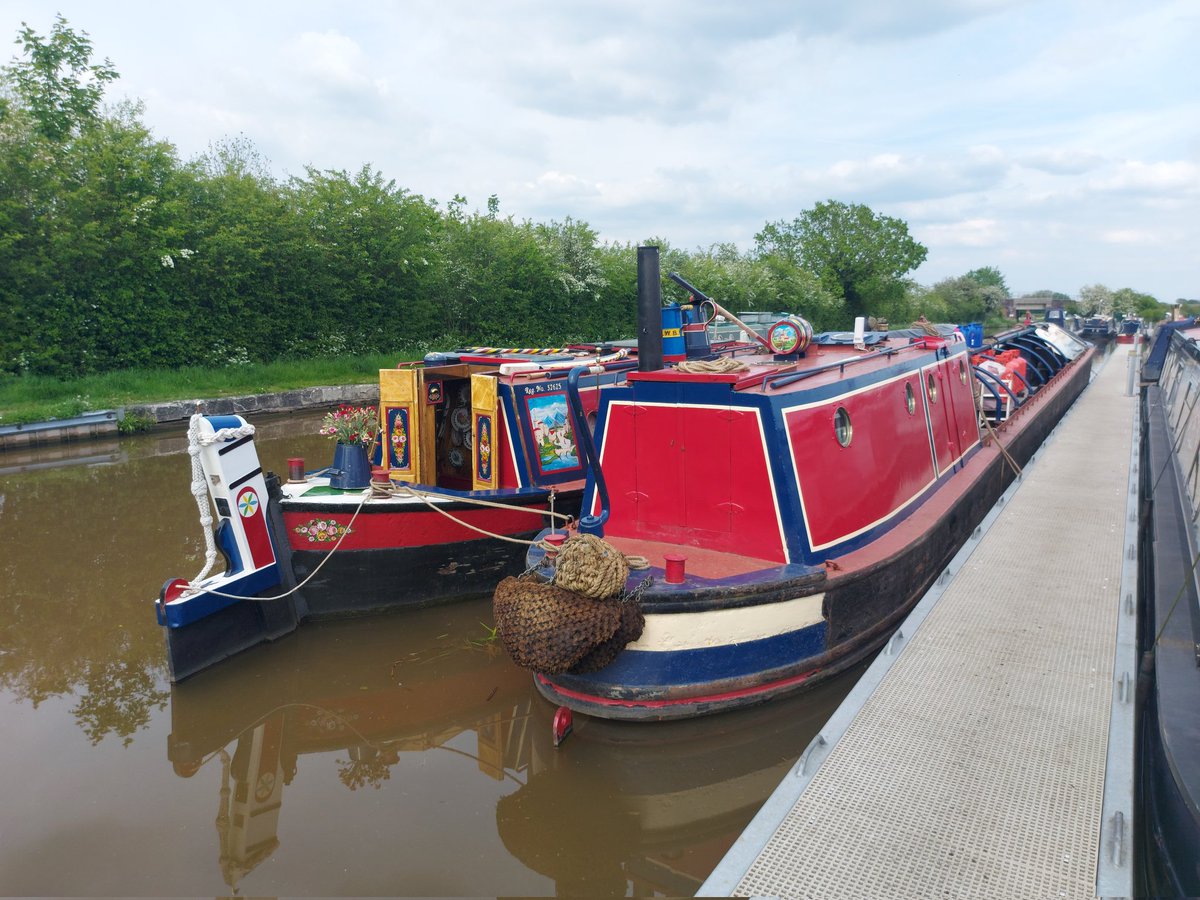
{"x": 351, "y": 425}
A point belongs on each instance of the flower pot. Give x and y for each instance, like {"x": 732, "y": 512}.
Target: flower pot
{"x": 351, "y": 470}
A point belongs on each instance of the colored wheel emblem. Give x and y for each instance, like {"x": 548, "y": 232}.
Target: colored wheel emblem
{"x": 247, "y": 503}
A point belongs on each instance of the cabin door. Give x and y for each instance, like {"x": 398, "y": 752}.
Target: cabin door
{"x": 400, "y": 425}
{"x": 483, "y": 432}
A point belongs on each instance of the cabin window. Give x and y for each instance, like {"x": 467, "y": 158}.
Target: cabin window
{"x": 962, "y": 372}
{"x": 931, "y": 387}
{"x": 910, "y": 399}
{"x": 842, "y": 428}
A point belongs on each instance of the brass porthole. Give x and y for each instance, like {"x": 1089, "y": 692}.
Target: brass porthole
{"x": 962, "y": 372}
{"x": 910, "y": 399}
{"x": 842, "y": 429}
{"x": 931, "y": 387}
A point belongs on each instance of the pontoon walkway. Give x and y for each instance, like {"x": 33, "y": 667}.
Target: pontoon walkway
{"x": 989, "y": 749}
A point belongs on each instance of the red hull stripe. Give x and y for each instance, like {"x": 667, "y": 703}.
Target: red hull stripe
{"x": 419, "y": 527}
{"x": 683, "y": 701}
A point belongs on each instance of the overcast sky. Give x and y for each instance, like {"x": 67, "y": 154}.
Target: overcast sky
{"x": 1057, "y": 141}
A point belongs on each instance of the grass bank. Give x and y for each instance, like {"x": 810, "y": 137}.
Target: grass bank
{"x": 35, "y": 398}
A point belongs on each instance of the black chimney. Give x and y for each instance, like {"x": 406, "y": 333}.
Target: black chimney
{"x": 649, "y": 282}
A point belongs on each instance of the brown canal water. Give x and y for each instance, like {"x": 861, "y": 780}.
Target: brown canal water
{"x": 397, "y": 755}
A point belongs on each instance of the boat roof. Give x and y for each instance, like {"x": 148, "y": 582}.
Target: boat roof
{"x": 823, "y": 362}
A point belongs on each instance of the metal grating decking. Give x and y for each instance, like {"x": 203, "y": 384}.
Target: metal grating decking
{"x": 971, "y": 759}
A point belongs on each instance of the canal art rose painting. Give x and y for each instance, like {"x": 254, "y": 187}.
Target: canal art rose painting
{"x": 399, "y": 423}
{"x": 320, "y": 531}
{"x": 484, "y": 445}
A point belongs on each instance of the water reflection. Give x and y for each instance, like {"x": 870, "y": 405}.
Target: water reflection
{"x": 90, "y": 531}
{"x": 618, "y": 809}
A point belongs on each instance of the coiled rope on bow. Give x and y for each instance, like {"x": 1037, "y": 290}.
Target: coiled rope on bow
{"x": 720, "y": 366}
{"x": 592, "y": 567}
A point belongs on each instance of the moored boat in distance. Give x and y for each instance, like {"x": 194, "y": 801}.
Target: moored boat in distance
{"x": 1098, "y": 328}
{"x": 474, "y": 451}
{"x": 1131, "y": 330}
{"x": 794, "y": 505}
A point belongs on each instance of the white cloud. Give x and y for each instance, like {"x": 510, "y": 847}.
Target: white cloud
{"x": 1128, "y": 236}
{"x": 1156, "y": 177}
{"x": 964, "y": 233}
{"x": 328, "y": 59}
{"x": 1062, "y": 161}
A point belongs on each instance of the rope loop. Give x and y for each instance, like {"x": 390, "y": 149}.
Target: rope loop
{"x": 199, "y": 490}
{"x": 592, "y": 567}
{"x": 724, "y": 365}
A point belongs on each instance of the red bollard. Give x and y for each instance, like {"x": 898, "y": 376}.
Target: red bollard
{"x": 675, "y": 566}
{"x": 295, "y": 469}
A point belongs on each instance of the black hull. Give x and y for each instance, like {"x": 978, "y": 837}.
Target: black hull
{"x": 1170, "y": 712}
{"x": 358, "y": 582}
{"x": 229, "y": 631}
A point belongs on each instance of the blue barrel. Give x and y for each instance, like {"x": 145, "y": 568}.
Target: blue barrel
{"x": 973, "y": 332}
{"x": 672, "y": 332}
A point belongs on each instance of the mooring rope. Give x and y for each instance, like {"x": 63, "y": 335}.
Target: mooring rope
{"x": 987, "y": 423}
{"x": 311, "y": 575}
{"x": 1178, "y": 596}
{"x": 725, "y": 364}
{"x": 376, "y": 491}
{"x": 403, "y": 489}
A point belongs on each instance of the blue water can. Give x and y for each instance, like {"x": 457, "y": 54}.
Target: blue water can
{"x": 672, "y": 332}
{"x": 973, "y": 332}
{"x": 351, "y": 470}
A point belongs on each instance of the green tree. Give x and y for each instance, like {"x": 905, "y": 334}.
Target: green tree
{"x": 242, "y": 282}
{"x": 498, "y": 283}
{"x": 1095, "y": 299}
{"x": 989, "y": 276}
{"x": 83, "y": 222}
{"x": 373, "y": 248}
{"x": 57, "y": 83}
{"x": 968, "y": 299}
{"x": 856, "y": 253}
{"x": 1128, "y": 302}
{"x": 579, "y": 276}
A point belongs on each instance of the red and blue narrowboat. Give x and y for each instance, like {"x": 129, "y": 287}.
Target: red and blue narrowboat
{"x": 796, "y": 503}
{"x": 475, "y": 451}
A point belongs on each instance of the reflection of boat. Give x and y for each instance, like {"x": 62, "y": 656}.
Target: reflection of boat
{"x": 655, "y": 808}
{"x": 815, "y": 494}
{"x": 1170, "y": 622}
{"x": 461, "y": 463}
{"x": 373, "y": 691}
{"x": 643, "y": 810}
